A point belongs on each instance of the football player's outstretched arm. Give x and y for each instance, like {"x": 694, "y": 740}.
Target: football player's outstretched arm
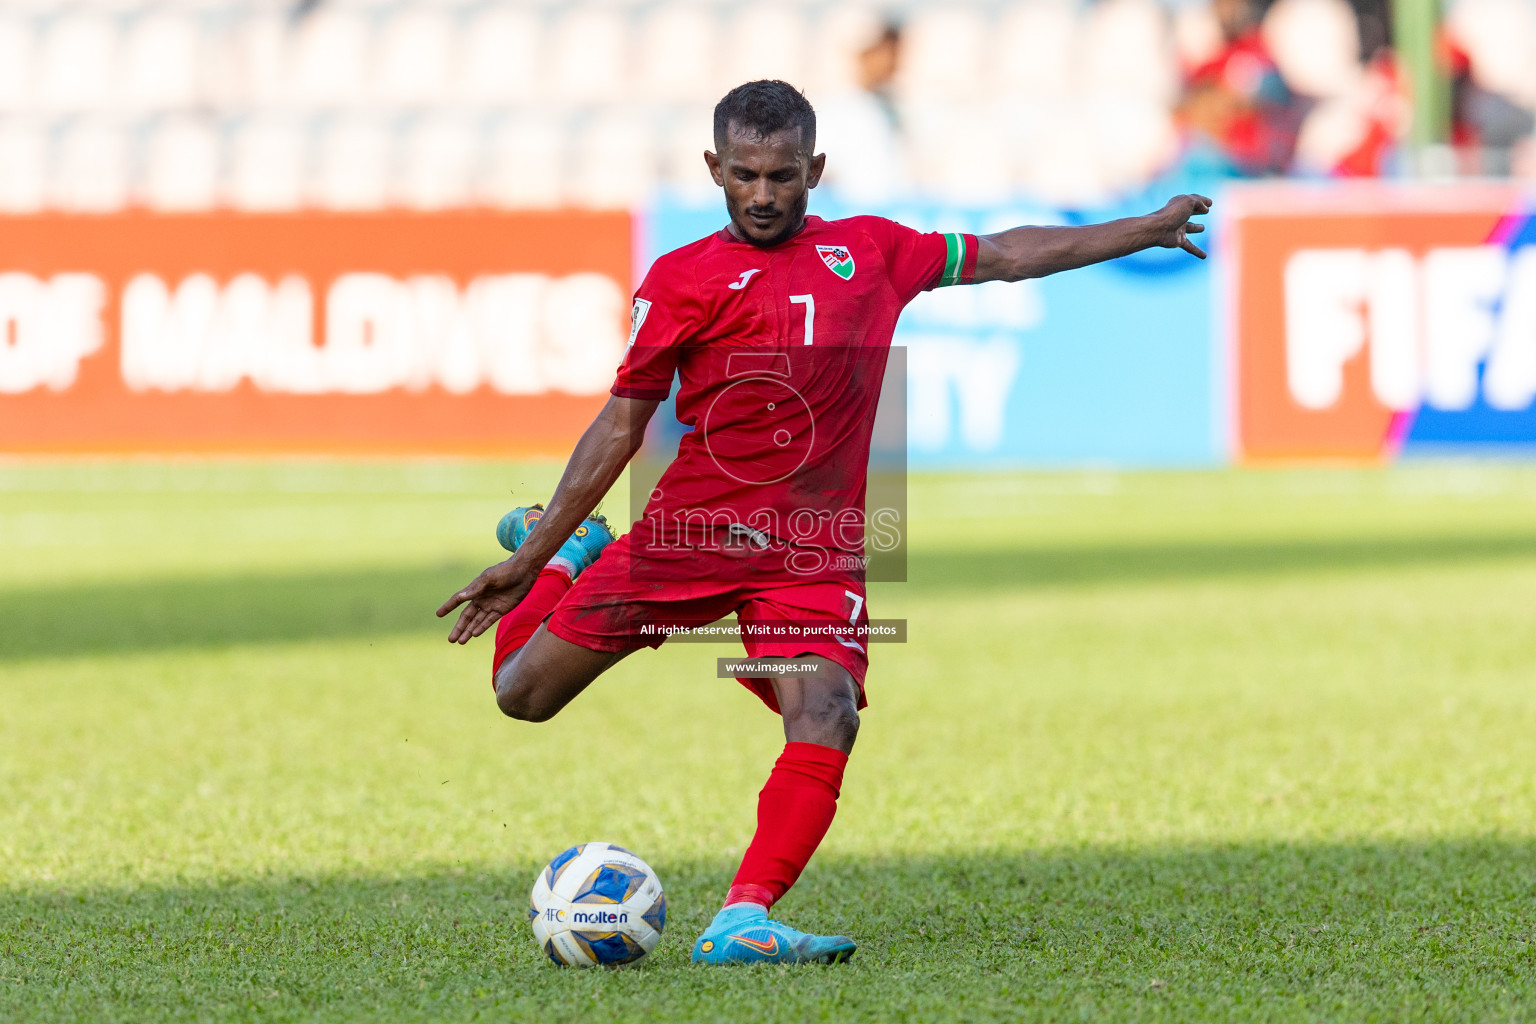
{"x": 600, "y": 456}
{"x": 1020, "y": 253}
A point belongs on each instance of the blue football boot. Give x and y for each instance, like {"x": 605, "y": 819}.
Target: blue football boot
{"x": 580, "y": 548}
{"x": 742, "y": 934}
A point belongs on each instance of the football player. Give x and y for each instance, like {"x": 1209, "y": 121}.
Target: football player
{"x": 777, "y": 328}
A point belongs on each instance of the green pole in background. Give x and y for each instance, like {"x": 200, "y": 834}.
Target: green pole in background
{"x": 1415, "y": 25}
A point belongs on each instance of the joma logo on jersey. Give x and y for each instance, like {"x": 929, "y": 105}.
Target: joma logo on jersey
{"x": 598, "y": 917}
{"x": 837, "y": 258}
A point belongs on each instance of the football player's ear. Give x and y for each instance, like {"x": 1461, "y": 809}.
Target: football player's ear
{"x": 713, "y": 163}
{"x": 818, "y": 164}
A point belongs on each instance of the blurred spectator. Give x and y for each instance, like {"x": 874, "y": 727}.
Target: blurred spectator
{"x": 1335, "y": 59}
{"x": 862, "y": 127}
{"x": 1236, "y": 107}
{"x": 1488, "y": 127}
{"x": 1386, "y": 115}
{"x": 1489, "y": 48}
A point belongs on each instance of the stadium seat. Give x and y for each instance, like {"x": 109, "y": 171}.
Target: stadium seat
{"x": 90, "y": 172}
{"x": 16, "y": 42}
{"x": 524, "y": 164}
{"x": 23, "y": 166}
{"x": 680, "y": 160}
{"x": 499, "y": 58}
{"x": 587, "y": 56}
{"x": 1035, "y": 50}
{"x": 267, "y": 167}
{"x": 438, "y": 164}
{"x": 1128, "y": 51}
{"x": 614, "y": 163}
{"x": 958, "y": 153}
{"x": 1134, "y": 136}
{"x": 77, "y": 65}
{"x": 419, "y": 81}
{"x": 248, "y": 69}
{"x": 1316, "y": 45}
{"x": 751, "y": 58}
{"x": 942, "y": 55}
{"x": 181, "y": 165}
{"x": 353, "y": 168}
{"x": 838, "y": 37}
{"x": 415, "y": 57}
{"x": 675, "y": 56}
{"x": 867, "y": 153}
{"x": 329, "y": 60}
{"x": 1063, "y": 166}
{"x": 160, "y": 63}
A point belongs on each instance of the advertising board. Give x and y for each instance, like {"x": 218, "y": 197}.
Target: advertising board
{"x": 1375, "y": 320}
{"x": 1110, "y": 364}
{"x": 472, "y": 332}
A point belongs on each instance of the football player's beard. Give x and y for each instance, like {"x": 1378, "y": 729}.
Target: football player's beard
{"x": 793, "y": 222}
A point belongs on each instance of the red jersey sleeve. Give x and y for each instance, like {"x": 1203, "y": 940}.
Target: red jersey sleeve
{"x": 665, "y": 316}
{"x": 918, "y": 261}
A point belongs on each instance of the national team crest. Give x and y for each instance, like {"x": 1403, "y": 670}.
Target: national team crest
{"x": 837, "y": 258}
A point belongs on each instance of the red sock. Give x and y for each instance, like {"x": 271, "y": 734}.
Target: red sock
{"x": 794, "y": 811}
{"x": 522, "y": 622}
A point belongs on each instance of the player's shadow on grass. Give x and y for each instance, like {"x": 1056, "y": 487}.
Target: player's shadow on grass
{"x": 220, "y": 610}
{"x": 359, "y": 604}
{"x": 1394, "y": 930}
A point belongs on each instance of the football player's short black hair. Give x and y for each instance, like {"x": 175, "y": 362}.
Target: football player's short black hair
{"x": 762, "y": 108}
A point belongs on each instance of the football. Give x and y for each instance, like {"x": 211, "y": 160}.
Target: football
{"x": 597, "y": 904}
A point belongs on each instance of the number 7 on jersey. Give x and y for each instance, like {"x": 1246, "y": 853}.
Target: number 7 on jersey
{"x": 810, "y": 314}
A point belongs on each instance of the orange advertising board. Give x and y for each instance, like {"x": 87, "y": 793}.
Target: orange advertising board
{"x": 464, "y": 332}
{"x": 1357, "y": 312}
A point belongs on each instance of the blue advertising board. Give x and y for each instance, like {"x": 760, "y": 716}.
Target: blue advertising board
{"x": 1112, "y": 364}
{"x": 1503, "y": 333}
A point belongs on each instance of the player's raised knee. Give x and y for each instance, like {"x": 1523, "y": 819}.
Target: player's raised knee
{"x": 518, "y": 697}
{"x": 516, "y": 703}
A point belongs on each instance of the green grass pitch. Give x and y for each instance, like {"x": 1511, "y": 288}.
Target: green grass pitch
{"x": 1207, "y": 746}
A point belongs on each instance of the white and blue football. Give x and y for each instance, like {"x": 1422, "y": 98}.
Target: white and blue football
{"x": 597, "y": 904}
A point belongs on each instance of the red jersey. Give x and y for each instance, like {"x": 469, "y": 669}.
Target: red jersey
{"x": 780, "y": 353}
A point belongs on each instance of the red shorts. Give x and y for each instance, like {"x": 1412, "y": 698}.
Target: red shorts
{"x": 631, "y": 598}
